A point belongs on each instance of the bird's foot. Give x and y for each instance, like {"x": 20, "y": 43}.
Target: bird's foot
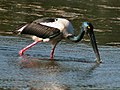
{"x": 20, "y": 53}
{"x": 51, "y": 57}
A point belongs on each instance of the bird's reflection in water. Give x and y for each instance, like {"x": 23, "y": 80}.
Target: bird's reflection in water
{"x": 29, "y": 62}
{"x": 58, "y": 73}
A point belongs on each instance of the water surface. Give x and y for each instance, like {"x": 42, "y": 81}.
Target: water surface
{"x": 104, "y": 15}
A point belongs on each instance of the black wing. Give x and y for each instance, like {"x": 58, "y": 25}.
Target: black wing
{"x": 47, "y": 20}
{"x": 39, "y": 30}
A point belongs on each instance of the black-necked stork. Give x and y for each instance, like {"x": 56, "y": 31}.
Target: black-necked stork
{"x": 53, "y": 30}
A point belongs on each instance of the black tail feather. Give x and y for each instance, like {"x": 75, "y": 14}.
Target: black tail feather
{"x": 16, "y": 31}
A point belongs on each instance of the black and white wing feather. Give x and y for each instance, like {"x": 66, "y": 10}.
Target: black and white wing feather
{"x": 37, "y": 29}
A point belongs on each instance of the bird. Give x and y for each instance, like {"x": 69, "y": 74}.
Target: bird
{"x": 53, "y": 30}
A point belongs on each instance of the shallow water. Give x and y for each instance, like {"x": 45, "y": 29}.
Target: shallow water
{"x": 74, "y": 66}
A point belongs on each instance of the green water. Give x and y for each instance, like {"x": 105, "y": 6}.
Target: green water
{"x": 104, "y": 15}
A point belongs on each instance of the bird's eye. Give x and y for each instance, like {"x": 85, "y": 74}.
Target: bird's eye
{"x": 88, "y": 27}
{"x": 56, "y": 19}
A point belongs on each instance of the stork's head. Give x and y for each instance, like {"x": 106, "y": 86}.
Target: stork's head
{"x": 88, "y": 29}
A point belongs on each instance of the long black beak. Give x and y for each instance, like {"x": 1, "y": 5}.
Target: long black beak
{"x": 94, "y": 45}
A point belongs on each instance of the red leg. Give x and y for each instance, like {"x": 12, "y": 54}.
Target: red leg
{"x": 52, "y": 52}
{"x": 27, "y": 47}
